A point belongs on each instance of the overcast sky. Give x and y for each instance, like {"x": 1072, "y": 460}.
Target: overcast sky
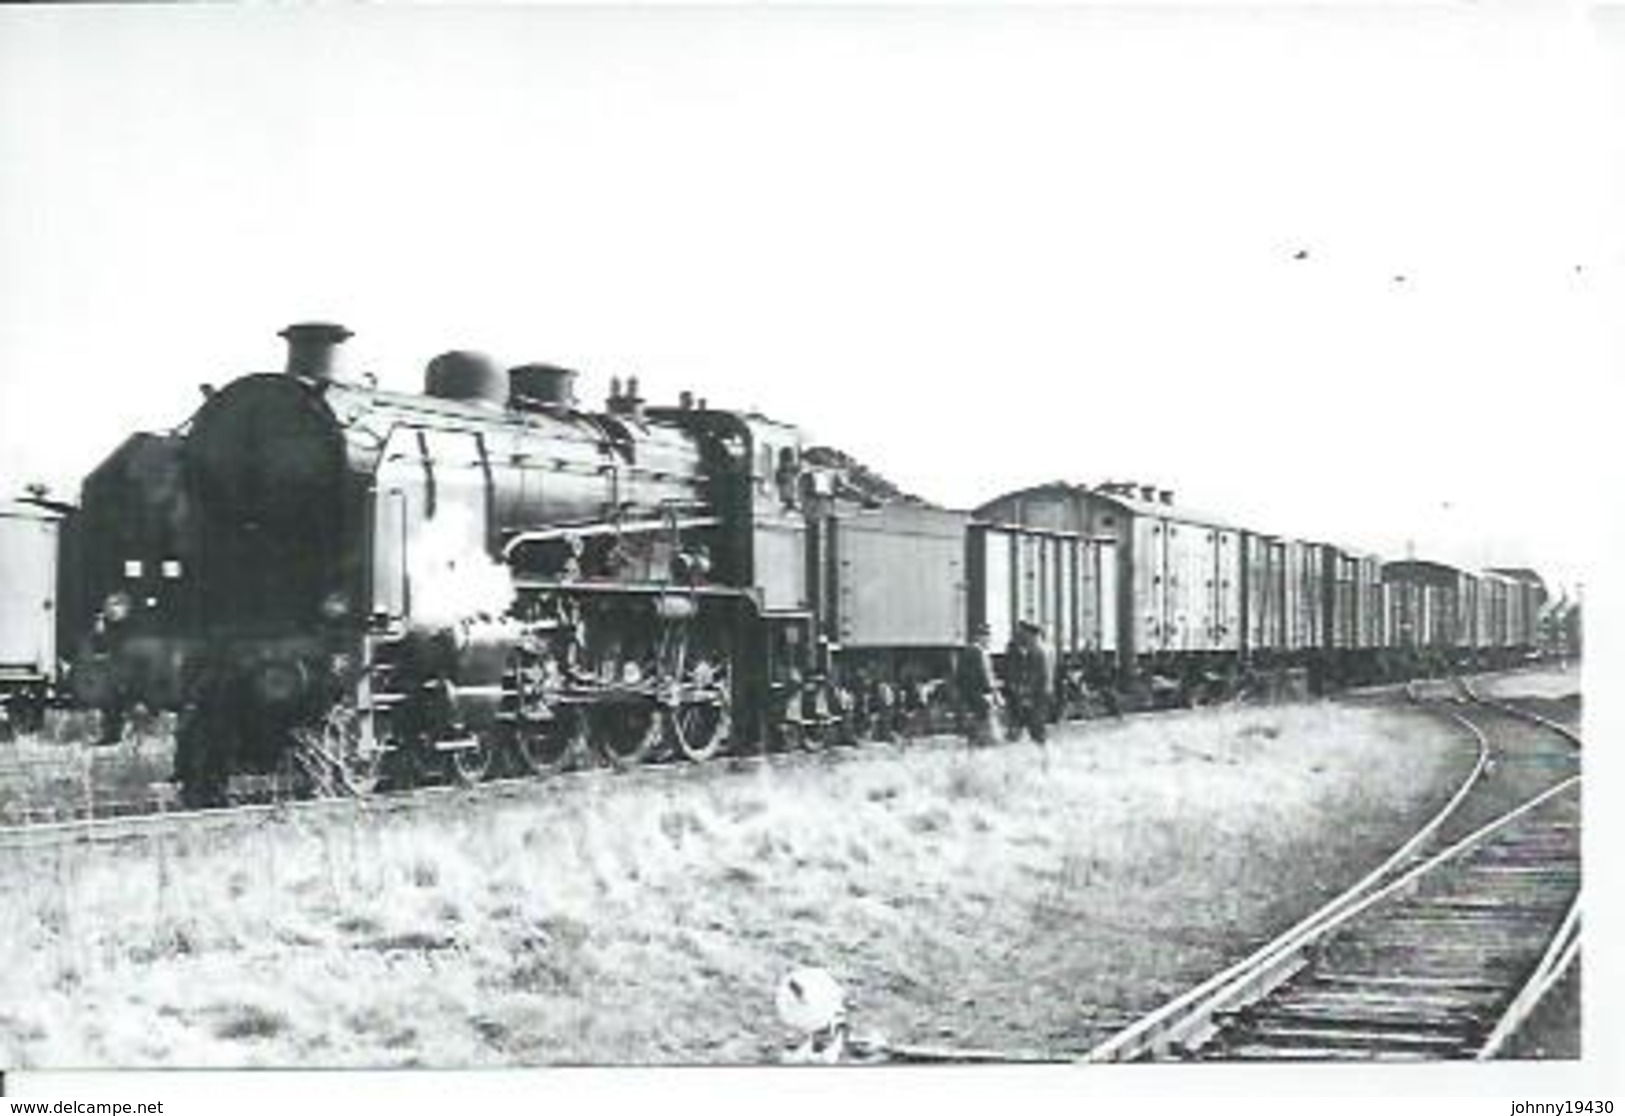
{"x": 1332, "y": 273}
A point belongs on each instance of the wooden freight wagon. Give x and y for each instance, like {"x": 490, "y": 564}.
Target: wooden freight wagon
{"x": 1525, "y": 621}
{"x": 1064, "y": 582}
{"x": 1179, "y": 584}
{"x": 1423, "y": 609}
{"x": 28, "y": 605}
{"x": 1264, "y": 596}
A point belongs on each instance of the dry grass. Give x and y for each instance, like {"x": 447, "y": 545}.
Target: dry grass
{"x": 1007, "y": 897}
{"x": 61, "y": 771}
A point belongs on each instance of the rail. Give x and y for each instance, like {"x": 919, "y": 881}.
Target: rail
{"x": 1191, "y": 1019}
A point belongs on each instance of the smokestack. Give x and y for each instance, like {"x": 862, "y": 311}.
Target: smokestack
{"x": 1166, "y": 495}
{"x": 1148, "y": 493}
{"x": 311, "y": 348}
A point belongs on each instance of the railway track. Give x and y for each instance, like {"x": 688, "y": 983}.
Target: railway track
{"x": 1439, "y": 954}
{"x": 101, "y": 820}
{"x": 111, "y": 820}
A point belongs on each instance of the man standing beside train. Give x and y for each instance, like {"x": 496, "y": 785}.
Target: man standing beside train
{"x": 1029, "y": 669}
{"x": 979, "y": 687}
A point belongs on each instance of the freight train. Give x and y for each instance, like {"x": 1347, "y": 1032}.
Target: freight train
{"x": 343, "y": 584}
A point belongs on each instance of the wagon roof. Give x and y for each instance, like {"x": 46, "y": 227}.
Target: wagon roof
{"x": 1403, "y": 566}
{"x": 26, "y": 509}
{"x": 1519, "y": 573}
{"x": 1147, "y": 507}
{"x": 1167, "y": 510}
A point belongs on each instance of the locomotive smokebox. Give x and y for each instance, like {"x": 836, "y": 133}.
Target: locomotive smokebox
{"x": 312, "y": 347}
{"x": 466, "y": 377}
{"x": 541, "y": 385}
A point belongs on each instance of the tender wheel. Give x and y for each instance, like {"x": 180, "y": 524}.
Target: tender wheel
{"x": 547, "y": 747}
{"x": 626, "y": 733}
{"x": 700, "y": 730}
{"x": 471, "y": 765}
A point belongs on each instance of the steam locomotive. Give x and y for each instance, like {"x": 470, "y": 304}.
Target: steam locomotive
{"x": 342, "y": 584}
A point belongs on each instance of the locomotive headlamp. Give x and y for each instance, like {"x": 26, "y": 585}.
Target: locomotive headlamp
{"x": 117, "y": 607}
{"x": 335, "y": 606}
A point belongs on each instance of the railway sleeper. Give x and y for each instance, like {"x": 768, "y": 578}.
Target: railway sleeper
{"x": 1263, "y": 1052}
{"x": 1319, "y": 998}
{"x": 1377, "y": 1017}
{"x": 1516, "y": 871}
{"x": 1483, "y": 937}
{"x": 1420, "y": 951}
{"x": 1406, "y": 980}
{"x": 1477, "y": 915}
{"x": 1487, "y": 944}
{"x": 1354, "y": 1035}
{"x": 1465, "y": 904}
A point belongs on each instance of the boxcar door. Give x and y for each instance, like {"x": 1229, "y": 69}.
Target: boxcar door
{"x": 1151, "y": 583}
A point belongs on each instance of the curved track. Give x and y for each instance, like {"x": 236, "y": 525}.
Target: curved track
{"x": 1440, "y": 953}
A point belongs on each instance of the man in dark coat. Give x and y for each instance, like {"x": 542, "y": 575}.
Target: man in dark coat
{"x": 1029, "y": 671}
{"x": 979, "y": 688}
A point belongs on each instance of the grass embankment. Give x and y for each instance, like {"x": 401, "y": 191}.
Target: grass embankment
{"x": 1554, "y": 681}
{"x": 1004, "y": 898}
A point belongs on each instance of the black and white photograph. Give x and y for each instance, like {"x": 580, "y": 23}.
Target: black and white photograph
{"x": 844, "y": 536}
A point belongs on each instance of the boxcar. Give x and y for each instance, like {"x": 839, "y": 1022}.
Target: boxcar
{"x": 1064, "y": 582}
{"x": 1179, "y": 572}
{"x": 1528, "y": 601}
{"x": 1423, "y": 614}
{"x": 28, "y": 607}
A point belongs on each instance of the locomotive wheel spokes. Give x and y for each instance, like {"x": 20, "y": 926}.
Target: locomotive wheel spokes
{"x": 699, "y": 730}
{"x": 336, "y": 756}
{"x": 626, "y": 732}
{"x": 546, "y": 747}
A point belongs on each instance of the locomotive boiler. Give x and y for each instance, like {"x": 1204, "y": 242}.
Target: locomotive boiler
{"x": 486, "y": 569}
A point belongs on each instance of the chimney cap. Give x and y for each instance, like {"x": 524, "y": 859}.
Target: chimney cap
{"x": 331, "y": 332}
{"x": 311, "y": 346}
